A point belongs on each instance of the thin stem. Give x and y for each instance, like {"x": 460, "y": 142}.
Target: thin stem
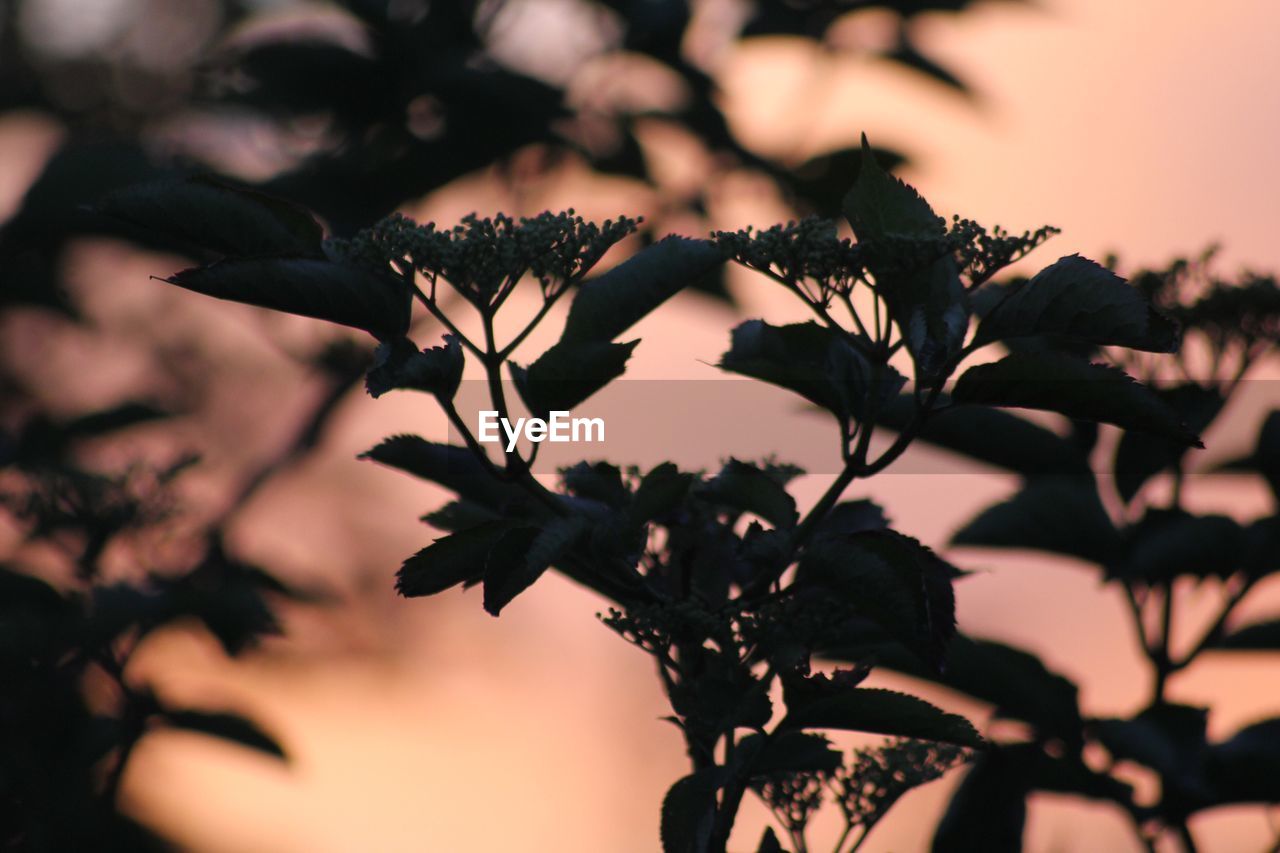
{"x": 1184, "y": 835}
{"x": 439, "y": 315}
{"x": 506, "y": 351}
{"x": 1214, "y": 632}
{"x": 1160, "y": 655}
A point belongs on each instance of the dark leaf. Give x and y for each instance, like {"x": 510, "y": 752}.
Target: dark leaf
{"x": 745, "y": 487}
{"x": 1166, "y": 544}
{"x": 1139, "y": 457}
{"x": 1170, "y": 739}
{"x": 608, "y": 305}
{"x": 885, "y": 712}
{"x": 925, "y": 298}
{"x": 661, "y": 491}
{"x": 821, "y": 181}
{"x": 455, "y": 468}
{"x": 379, "y": 304}
{"x": 599, "y": 482}
{"x": 988, "y": 811}
{"x": 893, "y": 580}
{"x": 450, "y": 560}
{"x": 1246, "y": 768}
{"x": 1077, "y": 389}
{"x": 851, "y": 517}
{"x": 1256, "y": 637}
{"x": 816, "y": 362}
{"x": 569, "y": 373}
{"x": 230, "y": 727}
{"x": 398, "y": 363}
{"x": 1060, "y": 514}
{"x": 791, "y": 752}
{"x": 688, "y": 811}
{"x": 992, "y": 436}
{"x": 1077, "y": 298}
{"x": 521, "y": 556}
{"x": 769, "y": 842}
{"x": 204, "y": 212}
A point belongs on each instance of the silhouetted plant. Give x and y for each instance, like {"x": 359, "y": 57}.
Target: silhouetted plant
{"x": 1145, "y": 542}
{"x": 70, "y": 712}
{"x": 719, "y": 578}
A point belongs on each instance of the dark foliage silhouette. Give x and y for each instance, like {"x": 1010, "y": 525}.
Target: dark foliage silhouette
{"x": 1146, "y": 543}
{"x": 720, "y": 578}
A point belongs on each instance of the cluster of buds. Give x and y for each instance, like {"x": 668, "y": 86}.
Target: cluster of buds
{"x": 806, "y": 251}
{"x": 484, "y": 258}
{"x": 876, "y": 778}
{"x": 981, "y": 254}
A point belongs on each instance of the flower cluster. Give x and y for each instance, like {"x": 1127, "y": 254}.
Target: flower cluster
{"x": 793, "y": 797}
{"x": 981, "y": 253}
{"x": 808, "y": 250}
{"x": 484, "y": 258}
{"x": 878, "y": 777}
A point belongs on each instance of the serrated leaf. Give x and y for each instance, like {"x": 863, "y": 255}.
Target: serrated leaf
{"x": 232, "y": 727}
{"x": 1140, "y": 457}
{"x": 1077, "y": 298}
{"x": 925, "y": 299}
{"x": 378, "y": 304}
{"x": 521, "y": 556}
{"x": 816, "y": 362}
{"x": 1061, "y": 515}
{"x": 450, "y": 560}
{"x": 992, "y": 436}
{"x": 866, "y": 709}
{"x": 204, "y": 212}
{"x": 745, "y": 487}
{"x": 893, "y": 580}
{"x": 399, "y": 364}
{"x": 455, "y": 468}
{"x": 569, "y": 373}
{"x": 608, "y": 305}
{"x": 1015, "y": 682}
{"x": 1078, "y": 389}
{"x": 688, "y": 811}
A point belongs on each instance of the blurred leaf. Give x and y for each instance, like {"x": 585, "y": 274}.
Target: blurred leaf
{"x": 313, "y": 288}
{"x": 450, "y": 560}
{"x": 816, "y": 362}
{"x": 928, "y": 301}
{"x": 569, "y": 373}
{"x": 1077, "y": 389}
{"x": 1265, "y": 459}
{"x": 1077, "y": 298}
{"x": 885, "y": 712}
{"x": 850, "y": 517}
{"x": 769, "y": 842}
{"x": 1062, "y": 515}
{"x": 226, "y": 726}
{"x": 609, "y": 304}
{"x": 1167, "y": 544}
{"x": 206, "y": 213}
{"x": 909, "y": 56}
{"x": 745, "y": 487}
{"x": 992, "y": 436}
{"x": 1246, "y": 768}
{"x": 1140, "y": 457}
{"x": 1170, "y": 739}
{"x": 1256, "y": 637}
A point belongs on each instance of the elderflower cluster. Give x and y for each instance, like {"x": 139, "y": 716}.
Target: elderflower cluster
{"x": 483, "y": 258}
{"x": 878, "y": 777}
{"x": 808, "y": 250}
{"x": 981, "y": 253}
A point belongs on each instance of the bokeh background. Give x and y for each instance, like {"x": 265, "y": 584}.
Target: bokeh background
{"x": 1144, "y": 128}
